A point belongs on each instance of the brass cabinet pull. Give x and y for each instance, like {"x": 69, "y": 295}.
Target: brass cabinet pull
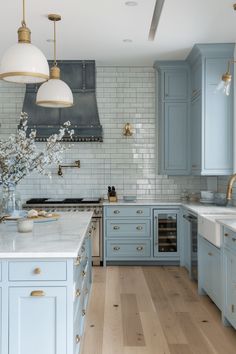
{"x": 116, "y": 227}
{"x": 77, "y": 293}
{"x": 139, "y": 211}
{"x": 77, "y": 339}
{"x": 232, "y": 308}
{"x": 116, "y": 211}
{"x": 83, "y": 312}
{"x": 209, "y": 254}
{"x": 37, "y": 293}
{"x": 116, "y": 248}
{"x": 139, "y": 227}
{"x": 140, "y": 248}
{"x": 194, "y": 166}
{"x": 226, "y": 235}
{"x": 37, "y": 271}
{"x": 78, "y": 261}
{"x": 83, "y": 273}
{"x": 233, "y": 239}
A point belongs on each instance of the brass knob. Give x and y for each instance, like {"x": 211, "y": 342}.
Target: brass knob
{"x": 116, "y": 227}
{"x": 116, "y": 248}
{"x": 83, "y": 312}
{"x": 233, "y": 239}
{"x": 77, "y": 293}
{"x": 139, "y": 227}
{"x": 37, "y": 293}
{"x": 83, "y": 273}
{"x": 77, "y": 339}
{"x": 226, "y": 235}
{"x": 139, "y": 211}
{"x": 37, "y": 271}
{"x": 116, "y": 211}
{"x": 139, "y": 248}
{"x": 209, "y": 254}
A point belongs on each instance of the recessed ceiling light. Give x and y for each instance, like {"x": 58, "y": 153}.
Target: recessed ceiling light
{"x": 131, "y": 3}
{"x": 127, "y": 40}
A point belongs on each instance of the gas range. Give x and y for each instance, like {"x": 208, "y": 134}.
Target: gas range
{"x": 66, "y": 204}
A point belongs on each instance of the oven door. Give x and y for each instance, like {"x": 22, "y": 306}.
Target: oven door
{"x": 97, "y": 241}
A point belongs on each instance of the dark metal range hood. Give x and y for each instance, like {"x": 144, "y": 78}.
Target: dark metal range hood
{"x": 80, "y": 75}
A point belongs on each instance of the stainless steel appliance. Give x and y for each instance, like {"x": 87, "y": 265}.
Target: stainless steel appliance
{"x": 75, "y": 205}
{"x": 192, "y": 219}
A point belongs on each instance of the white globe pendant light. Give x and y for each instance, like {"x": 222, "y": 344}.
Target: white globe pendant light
{"x": 23, "y": 62}
{"x": 54, "y": 93}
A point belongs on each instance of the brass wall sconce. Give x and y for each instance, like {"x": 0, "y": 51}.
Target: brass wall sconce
{"x": 127, "y": 131}
{"x": 75, "y": 165}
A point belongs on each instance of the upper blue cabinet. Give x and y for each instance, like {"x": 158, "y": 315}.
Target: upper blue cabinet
{"x": 211, "y": 112}
{"x": 173, "y": 84}
{"x": 195, "y": 121}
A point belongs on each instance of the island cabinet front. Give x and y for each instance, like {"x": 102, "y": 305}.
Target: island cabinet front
{"x": 37, "y": 320}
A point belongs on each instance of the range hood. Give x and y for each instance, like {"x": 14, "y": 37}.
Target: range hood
{"x": 80, "y": 75}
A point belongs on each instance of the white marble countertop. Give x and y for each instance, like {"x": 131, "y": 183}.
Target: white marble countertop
{"x": 55, "y": 239}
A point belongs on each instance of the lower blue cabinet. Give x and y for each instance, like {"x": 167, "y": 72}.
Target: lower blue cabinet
{"x": 37, "y": 320}
{"x": 209, "y": 271}
{"x": 230, "y": 286}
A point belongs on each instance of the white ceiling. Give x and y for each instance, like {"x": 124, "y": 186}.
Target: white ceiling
{"x": 95, "y": 29}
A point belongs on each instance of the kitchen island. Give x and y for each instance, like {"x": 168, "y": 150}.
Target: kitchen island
{"x": 45, "y": 278}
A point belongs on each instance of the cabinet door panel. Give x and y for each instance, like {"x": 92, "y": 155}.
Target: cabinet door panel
{"x": 196, "y": 134}
{"x": 37, "y": 324}
{"x": 230, "y": 286}
{"x": 176, "y": 156}
{"x": 176, "y": 84}
{"x": 218, "y": 121}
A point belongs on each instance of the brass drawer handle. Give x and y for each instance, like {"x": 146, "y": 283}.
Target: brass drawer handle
{"x": 140, "y": 248}
{"x": 116, "y": 228}
{"x": 139, "y": 227}
{"x": 77, "y": 293}
{"x": 116, "y": 211}
{"x": 77, "y": 339}
{"x": 83, "y": 312}
{"x": 226, "y": 235}
{"x": 78, "y": 261}
{"x": 209, "y": 254}
{"x": 233, "y": 239}
{"x": 139, "y": 212}
{"x": 37, "y": 271}
{"x": 116, "y": 248}
{"x": 37, "y": 293}
{"x": 83, "y": 273}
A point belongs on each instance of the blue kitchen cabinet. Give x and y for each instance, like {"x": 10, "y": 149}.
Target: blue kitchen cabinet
{"x": 172, "y": 81}
{"x": 230, "y": 286}
{"x": 166, "y": 234}
{"x": 37, "y": 320}
{"x": 209, "y": 271}
{"x": 211, "y": 111}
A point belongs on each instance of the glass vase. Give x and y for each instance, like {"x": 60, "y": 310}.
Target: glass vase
{"x": 11, "y": 202}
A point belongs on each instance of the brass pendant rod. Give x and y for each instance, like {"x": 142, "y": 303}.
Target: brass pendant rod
{"x": 55, "y": 46}
{"x": 23, "y": 23}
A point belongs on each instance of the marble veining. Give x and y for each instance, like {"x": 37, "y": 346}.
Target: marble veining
{"x": 61, "y": 238}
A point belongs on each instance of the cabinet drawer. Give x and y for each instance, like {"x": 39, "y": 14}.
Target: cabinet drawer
{"x": 37, "y": 271}
{"x": 124, "y": 228}
{"x": 122, "y": 250}
{"x": 230, "y": 238}
{"x": 123, "y": 211}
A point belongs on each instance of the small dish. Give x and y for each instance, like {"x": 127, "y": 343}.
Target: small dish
{"x": 129, "y": 198}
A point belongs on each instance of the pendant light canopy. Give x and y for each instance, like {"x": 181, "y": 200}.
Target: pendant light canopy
{"x": 23, "y": 62}
{"x": 54, "y": 93}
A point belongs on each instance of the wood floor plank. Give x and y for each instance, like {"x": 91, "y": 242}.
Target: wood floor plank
{"x": 180, "y": 349}
{"x": 196, "y": 340}
{"x": 166, "y": 315}
{"x": 154, "y": 335}
{"x": 133, "y": 335}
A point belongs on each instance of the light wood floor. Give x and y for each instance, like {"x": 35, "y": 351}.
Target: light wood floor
{"x": 152, "y": 310}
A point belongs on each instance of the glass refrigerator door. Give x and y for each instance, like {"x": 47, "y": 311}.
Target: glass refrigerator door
{"x": 167, "y": 233}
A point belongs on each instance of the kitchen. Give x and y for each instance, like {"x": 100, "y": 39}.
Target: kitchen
{"x": 147, "y": 119}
